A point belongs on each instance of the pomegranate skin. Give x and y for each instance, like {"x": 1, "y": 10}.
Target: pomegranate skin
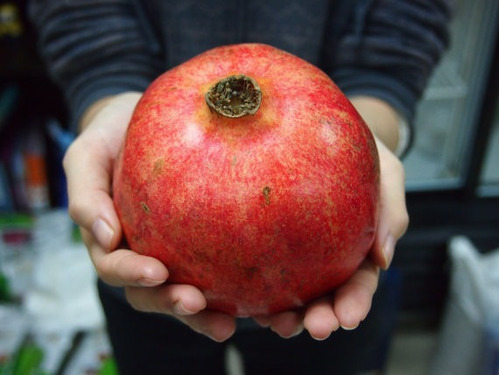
{"x": 262, "y": 213}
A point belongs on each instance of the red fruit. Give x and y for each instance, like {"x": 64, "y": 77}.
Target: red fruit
{"x": 263, "y": 210}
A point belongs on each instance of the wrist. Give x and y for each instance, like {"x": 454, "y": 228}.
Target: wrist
{"x": 115, "y": 102}
{"x": 404, "y": 139}
{"x": 91, "y": 112}
{"x": 384, "y": 121}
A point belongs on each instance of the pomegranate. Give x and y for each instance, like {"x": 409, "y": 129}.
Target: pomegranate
{"x": 249, "y": 174}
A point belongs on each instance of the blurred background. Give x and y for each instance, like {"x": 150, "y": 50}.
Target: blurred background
{"x": 444, "y": 274}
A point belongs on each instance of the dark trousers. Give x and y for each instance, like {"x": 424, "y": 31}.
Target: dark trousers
{"x": 146, "y": 343}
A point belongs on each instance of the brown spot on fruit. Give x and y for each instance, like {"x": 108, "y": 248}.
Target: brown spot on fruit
{"x": 145, "y": 208}
{"x": 267, "y": 192}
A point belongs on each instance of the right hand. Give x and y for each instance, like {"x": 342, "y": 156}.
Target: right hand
{"x": 88, "y": 165}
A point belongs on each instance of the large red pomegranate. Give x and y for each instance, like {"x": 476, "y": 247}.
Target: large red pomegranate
{"x": 249, "y": 174}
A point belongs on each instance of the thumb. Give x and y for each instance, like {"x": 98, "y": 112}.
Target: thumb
{"x": 88, "y": 165}
{"x": 393, "y": 216}
{"x": 90, "y": 204}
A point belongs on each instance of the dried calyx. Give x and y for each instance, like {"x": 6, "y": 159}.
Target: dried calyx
{"x": 234, "y": 96}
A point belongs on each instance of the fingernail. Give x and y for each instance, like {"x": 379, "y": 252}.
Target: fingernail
{"x": 298, "y": 331}
{"x": 103, "y": 233}
{"x": 211, "y": 335}
{"x": 265, "y": 325}
{"x": 180, "y": 309}
{"x": 388, "y": 249}
{"x": 349, "y": 328}
{"x": 148, "y": 282}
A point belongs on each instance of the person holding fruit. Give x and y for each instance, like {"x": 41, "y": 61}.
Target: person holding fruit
{"x": 104, "y": 54}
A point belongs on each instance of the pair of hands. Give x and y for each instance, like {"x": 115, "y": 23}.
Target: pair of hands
{"x": 88, "y": 164}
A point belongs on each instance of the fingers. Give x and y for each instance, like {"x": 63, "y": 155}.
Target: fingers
{"x": 170, "y": 299}
{"x": 347, "y": 308}
{"x": 144, "y": 280}
{"x": 217, "y": 326}
{"x": 352, "y": 301}
{"x": 320, "y": 320}
{"x": 287, "y": 324}
{"x": 187, "y": 304}
{"x": 124, "y": 267}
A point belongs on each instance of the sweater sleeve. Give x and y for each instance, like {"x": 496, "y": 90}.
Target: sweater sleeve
{"x": 94, "y": 48}
{"x": 390, "y": 49}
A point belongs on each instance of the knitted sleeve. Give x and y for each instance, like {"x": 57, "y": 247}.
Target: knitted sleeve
{"x": 389, "y": 50}
{"x": 95, "y": 48}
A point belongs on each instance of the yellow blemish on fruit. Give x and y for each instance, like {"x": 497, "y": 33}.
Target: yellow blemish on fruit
{"x": 158, "y": 167}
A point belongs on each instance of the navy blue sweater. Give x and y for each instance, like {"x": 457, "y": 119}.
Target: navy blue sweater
{"x": 382, "y": 48}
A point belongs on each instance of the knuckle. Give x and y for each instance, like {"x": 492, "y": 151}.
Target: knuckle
{"x": 75, "y": 210}
{"x": 403, "y": 221}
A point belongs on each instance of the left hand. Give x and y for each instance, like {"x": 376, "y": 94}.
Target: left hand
{"x": 351, "y": 302}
